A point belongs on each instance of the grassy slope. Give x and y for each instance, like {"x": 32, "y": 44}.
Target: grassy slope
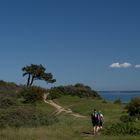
{"x": 85, "y": 106}
{"x": 69, "y": 127}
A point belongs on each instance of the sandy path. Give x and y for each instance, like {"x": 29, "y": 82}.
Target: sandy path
{"x": 60, "y": 109}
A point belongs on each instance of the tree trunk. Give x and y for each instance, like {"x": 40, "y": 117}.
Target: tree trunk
{"x": 32, "y": 81}
{"x": 28, "y": 81}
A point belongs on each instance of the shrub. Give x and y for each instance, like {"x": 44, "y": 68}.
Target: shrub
{"x": 133, "y": 108}
{"x": 127, "y": 118}
{"x": 6, "y": 101}
{"x": 104, "y": 101}
{"x": 122, "y": 129}
{"x": 56, "y": 92}
{"x": 79, "y": 90}
{"x": 118, "y": 101}
{"x": 32, "y": 94}
{"x": 8, "y": 86}
{"x": 25, "y": 116}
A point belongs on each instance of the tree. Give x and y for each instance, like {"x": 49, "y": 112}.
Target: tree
{"x": 37, "y": 72}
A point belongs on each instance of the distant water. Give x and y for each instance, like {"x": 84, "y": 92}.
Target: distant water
{"x": 124, "y": 96}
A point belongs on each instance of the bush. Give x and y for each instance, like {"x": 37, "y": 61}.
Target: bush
{"x": 127, "y": 118}
{"x": 118, "y": 101}
{"x": 104, "y": 101}
{"x": 32, "y": 94}
{"x": 6, "y": 101}
{"x": 133, "y": 108}
{"x": 56, "y": 92}
{"x": 8, "y": 86}
{"x": 79, "y": 90}
{"x": 26, "y": 116}
{"x": 122, "y": 129}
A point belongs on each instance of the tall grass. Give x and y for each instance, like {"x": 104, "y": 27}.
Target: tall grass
{"x": 64, "y": 131}
{"x": 69, "y": 127}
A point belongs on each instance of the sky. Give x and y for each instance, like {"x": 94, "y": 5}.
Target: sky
{"x": 94, "y": 42}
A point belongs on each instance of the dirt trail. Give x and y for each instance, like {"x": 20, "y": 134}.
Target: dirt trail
{"x": 60, "y": 109}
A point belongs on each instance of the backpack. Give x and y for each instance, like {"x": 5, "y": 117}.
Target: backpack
{"x": 99, "y": 117}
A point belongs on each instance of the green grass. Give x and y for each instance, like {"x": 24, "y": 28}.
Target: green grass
{"x": 69, "y": 127}
{"x": 85, "y": 106}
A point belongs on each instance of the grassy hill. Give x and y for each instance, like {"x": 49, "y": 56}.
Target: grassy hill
{"x": 61, "y": 127}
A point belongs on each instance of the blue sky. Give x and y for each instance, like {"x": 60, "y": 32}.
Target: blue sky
{"x": 95, "y": 42}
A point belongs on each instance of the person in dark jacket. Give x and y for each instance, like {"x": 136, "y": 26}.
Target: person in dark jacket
{"x": 94, "y": 120}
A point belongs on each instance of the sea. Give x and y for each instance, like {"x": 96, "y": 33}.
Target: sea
{"x": 124, "y": 96}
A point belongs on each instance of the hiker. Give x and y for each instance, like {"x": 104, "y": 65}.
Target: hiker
{"x": 100, "y": 121}
{"x": 94, "y": 121}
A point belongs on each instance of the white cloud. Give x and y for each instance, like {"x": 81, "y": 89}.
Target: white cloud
{"x": 118, "y": 65}
{"x": 137, "y": 66}
{"x": 115, "y": 65}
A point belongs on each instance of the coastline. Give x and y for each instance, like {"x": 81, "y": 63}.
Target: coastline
{"x": 124, "y": 96}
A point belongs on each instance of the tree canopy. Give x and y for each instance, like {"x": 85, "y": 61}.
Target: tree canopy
{"x": 37, "y": 72}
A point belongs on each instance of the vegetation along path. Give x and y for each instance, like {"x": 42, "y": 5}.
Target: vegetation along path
{"x": 60, "y": 109}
